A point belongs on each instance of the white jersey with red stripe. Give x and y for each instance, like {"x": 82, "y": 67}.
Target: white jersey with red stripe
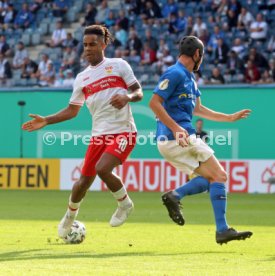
{"x": 96, "y": 85}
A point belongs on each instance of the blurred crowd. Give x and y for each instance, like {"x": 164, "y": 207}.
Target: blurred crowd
{"x": 239, "y": 38}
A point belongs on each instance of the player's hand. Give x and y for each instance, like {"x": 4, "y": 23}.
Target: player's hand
{"x": 119, "y": 101}
{"x": 240, "y": 115}
{"x": 37, "y": 123}
{"x": 181, "y": 136}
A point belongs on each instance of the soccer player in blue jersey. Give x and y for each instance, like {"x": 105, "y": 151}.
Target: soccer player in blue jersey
{"x": 176, "y": 98}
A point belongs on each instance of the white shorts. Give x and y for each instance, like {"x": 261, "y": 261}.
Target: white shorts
{"x": 185, "y": 159}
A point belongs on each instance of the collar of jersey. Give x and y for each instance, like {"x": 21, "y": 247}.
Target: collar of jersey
{"x": 104, "y": 59}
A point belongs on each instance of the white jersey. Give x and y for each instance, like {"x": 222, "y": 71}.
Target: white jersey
{"x": 97, "y": 85}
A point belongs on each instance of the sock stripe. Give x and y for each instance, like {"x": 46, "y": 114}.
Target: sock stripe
{"x": 121, "y": 199}
{"x": 72, "y": 209}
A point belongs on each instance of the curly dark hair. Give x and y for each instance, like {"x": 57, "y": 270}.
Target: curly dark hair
{"x": 100, "y": 30}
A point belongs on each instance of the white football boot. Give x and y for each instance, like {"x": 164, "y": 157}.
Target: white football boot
{"x": 121, "y": 214}
{"x": 64, "y": 227}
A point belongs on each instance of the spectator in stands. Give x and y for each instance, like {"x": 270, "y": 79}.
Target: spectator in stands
{"x": 5, "y": 70}
{"x": 24, "y": 18}
{"x": 36, "y": 6}
{"x": 252, "y": 73}
{"x": 221, "y": 52}
{"x": 43, "y": 65}
{"x": 122, "y": 20}
{"x": 133, "y": 43}
{"x": 235, "y": 6}
{"x": 60, "y": 7}
{"x": 258, "y": 29}
{"x": 245, "y": 19}
{"x": 213, "y": 41}
{"x": 70, "y": 41}
{"x": 59, "y": 78}
{"x": 199, "y": 79}
{"x": 153, "y": 44}
{"x": 169, "y": 8}
{"x": 238, "y": 47}
{"x": 189, "y": 26}
{"x": 8, "y": 17}
{"x": 199, "y": 27}
{"x": 216, "y": 77}
{"x": 148, "y": 55}
{"x": 102, "y": 12}
{"x": 3, "y": 10}
{"x": 151, "y": 11}
{"x": 266, "y": 78}
{"x": 211, "y": 22}
{"x": 232, "y": 19}
{"x": 4, "y": 46}
{"x": 121, "y": 36}
{"x": 83, "y": 62}
{"x": 177, "y": 24}
{"x": 204, "y": 37}
{"x": 134, "y": 57}
{"x": 272, "y": 68}
{"x": 223, "y": 9}
{"x": 64, "y": 79}
{"x": 90, "y": 15}
{"x": 162, "y": 47}
{"x": 164, "y": 62}
{"x": 20, "y": 54}
{"x": 271, "y": 45}
{"x": 69, "y": 60}
{"x": 58, "y": 35}
{"x": 48, "y": 76}
{"x": 111, "y": 20}
{"x": 29, "y": 68}
{"x": 69, "y": 78}
{"x": 200, "y": 133}
{"x": 258, "y": 59}
{"x": 234, "y": 64}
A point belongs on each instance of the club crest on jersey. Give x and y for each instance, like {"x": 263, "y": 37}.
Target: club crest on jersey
{"x": 109, "y": 69}
{"x": 164, "y": 84}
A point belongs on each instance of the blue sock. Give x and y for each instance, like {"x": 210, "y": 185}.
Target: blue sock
{"x": 218, "y": 199}
{"x": 194, "y": 186}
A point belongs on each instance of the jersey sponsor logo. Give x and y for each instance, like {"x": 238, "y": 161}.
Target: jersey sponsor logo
{"x": 164, "y": 84}
{"x": 102, "y": 84}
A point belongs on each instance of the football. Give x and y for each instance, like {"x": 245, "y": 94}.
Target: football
{"x": 77, "y": 234}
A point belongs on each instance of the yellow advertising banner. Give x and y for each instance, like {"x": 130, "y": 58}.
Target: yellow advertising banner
{"x": 30, "y": 174}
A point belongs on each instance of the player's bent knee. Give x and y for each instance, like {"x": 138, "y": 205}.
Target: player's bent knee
{"x": 101, "y": 170}
{"x": 220, "y": 176}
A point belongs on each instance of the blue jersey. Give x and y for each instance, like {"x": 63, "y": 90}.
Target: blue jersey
{"x": 178, "y": 88}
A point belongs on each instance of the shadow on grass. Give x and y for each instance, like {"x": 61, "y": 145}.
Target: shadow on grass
{"x": 20, "y": 255}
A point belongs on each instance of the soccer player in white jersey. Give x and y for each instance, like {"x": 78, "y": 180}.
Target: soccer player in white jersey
{"x": 104, "y": 86}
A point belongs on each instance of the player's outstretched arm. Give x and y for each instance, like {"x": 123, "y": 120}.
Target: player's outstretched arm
{"x": 212, "y": 115}
{"x": 39, "y": 121}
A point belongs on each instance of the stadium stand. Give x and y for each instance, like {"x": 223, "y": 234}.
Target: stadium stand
{"x": 239, "y": 37}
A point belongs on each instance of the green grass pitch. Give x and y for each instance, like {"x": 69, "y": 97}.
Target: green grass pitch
{"x": 148, "y": 244}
